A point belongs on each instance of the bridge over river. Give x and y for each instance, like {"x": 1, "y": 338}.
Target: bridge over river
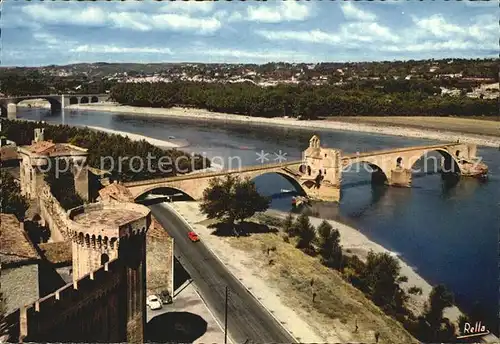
{"x": 319, "y": 174}
{"x": 8, "y": 105}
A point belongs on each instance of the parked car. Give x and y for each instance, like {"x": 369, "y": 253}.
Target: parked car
{"x": 153, "y": 302}
{"x": 165, "y": 297}
{"x": 193, "y": 236}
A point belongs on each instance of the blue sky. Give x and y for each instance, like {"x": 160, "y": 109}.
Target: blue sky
{"x": 41, "y": 33}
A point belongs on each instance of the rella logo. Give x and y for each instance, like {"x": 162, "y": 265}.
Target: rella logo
{"x": 473, "y": 330}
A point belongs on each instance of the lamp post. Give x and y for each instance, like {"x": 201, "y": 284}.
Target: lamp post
{"x": 225, "y": 319}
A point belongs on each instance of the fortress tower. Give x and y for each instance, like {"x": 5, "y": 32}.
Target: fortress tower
{"x": 35, "y": 160}
{"x": 115, "y": 232}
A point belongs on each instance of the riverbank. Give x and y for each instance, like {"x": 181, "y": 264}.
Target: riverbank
{"x": 281, "y": 293}
{"x": 136, "y": 137}
{"x": 334, "y": 124}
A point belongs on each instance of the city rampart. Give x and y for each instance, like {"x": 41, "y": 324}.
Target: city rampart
{"x": 91, "y": 309}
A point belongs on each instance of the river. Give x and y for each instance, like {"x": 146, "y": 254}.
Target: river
{"x": 449, "y": 234}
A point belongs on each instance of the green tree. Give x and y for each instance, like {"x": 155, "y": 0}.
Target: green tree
{"x": 439, "y": 299}
{"x": 381, "y": 281}
{"x": 305, "y": 231}
{"x": 12, "y": 200}
{"x": 105, "y": 150}
{"x": 328, "y": 241}
{"x": 288, "y": 225}
{"x": 231, "y": 199}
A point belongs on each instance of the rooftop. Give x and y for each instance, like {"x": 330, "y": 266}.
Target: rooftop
{"x": 111, "y": 217}
{"x": 57, "y": 252}
{"x": 15, "y": 245}
{"x": 116, "y": 192}
{"x": 106, "y": 219}
{"x": 49, "y": 148}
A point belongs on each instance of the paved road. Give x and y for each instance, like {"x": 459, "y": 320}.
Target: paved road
{"x": 248, "y": 321}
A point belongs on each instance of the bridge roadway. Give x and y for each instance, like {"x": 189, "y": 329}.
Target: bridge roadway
{"x": 346, "y": 159}
{"x": 248, "y": 321}
{"x": 214, "y": 174}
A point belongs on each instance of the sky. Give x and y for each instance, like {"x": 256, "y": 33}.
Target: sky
{"x": 43, "y": 33}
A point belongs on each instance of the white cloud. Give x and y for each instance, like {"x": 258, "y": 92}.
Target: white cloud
{"x": 432, "y": 34}
{"x": 284, "y": 11}
{"x": 349, "y": 35}
{"x": 188, "y": 6}
{"x": 52, "y": 42}
{"x": 353, "y": 12}
{"x": 138, "y": 21}
{"x": 266, "y": 55}
{"x": 129, "y": 20}
{"x": 437, "y": 26}
{"x": 313, "y": 36}
{"x": 112, "y": 49}
{"x": 367, "y": 32}
{"x": 89, "y": 16}
{"x": 185, "y": 22}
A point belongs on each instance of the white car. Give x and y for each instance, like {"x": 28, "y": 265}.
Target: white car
{"x": 153, "y": 302}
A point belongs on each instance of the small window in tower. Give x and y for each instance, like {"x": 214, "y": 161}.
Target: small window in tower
{"x": 104, "y": 258}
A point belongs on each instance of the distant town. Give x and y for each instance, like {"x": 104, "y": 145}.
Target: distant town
{"x": 454, "y": 77}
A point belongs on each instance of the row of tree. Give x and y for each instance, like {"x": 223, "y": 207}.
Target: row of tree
{"x": 19, "y": 82}
{"x": 401, "y": 98}
{"x": 111, "y": 152}
{"x": 379, "y": 278}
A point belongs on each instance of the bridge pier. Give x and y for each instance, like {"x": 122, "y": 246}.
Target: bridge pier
{"x": 400, "y": 177}
{"x": 326, "y": 192}
{"x": 11, "y": 110}
{"x": 55, "y": 107}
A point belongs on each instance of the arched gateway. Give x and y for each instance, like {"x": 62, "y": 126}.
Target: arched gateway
{"x": 319, "y": 173}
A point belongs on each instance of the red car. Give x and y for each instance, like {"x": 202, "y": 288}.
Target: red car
{"x": 193, "y": 236}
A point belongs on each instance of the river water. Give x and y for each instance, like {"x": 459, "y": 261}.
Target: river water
{"x": 449, "y": 234}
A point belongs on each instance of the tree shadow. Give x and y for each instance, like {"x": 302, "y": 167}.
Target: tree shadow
{"x": 240, "y": 229}
{"x": 175, "y": 327}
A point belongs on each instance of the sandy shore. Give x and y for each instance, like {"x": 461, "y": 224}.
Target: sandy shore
{"x": 384, "y": 129}
{"x": 357, "y": 243}
{"x": 248, "y": 273}
{"x": 137, "y": 137}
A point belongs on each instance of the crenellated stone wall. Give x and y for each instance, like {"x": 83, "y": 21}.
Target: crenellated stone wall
{"x": 92, "y": 309}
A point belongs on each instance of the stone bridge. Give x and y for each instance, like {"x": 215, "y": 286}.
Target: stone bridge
{"x": 57, "y": 102}
{"x": 319, "y": 174}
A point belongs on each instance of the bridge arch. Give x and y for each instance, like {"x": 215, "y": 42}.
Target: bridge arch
{"x": 450, "y": 163}
{"x": 73, "y": 100}
{"x": 94, "y": 99}
{"x": 165, "y": 190}
{"x": 84, "y": 100}
{"x": 378, "y": 174}
{"x": 299, "y": 187}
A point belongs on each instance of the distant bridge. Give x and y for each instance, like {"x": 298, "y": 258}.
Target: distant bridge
{"x": 57, "y": 101}
{"x": 319, "y": 174}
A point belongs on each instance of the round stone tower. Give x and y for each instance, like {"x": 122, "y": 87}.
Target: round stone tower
{"x": 114, "y": 233}
{"x": 99, "y": 229}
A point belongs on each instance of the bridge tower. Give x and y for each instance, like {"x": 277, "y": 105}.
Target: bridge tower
{"x": 321, "y": 171}
{"x": 115, "y": 232}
